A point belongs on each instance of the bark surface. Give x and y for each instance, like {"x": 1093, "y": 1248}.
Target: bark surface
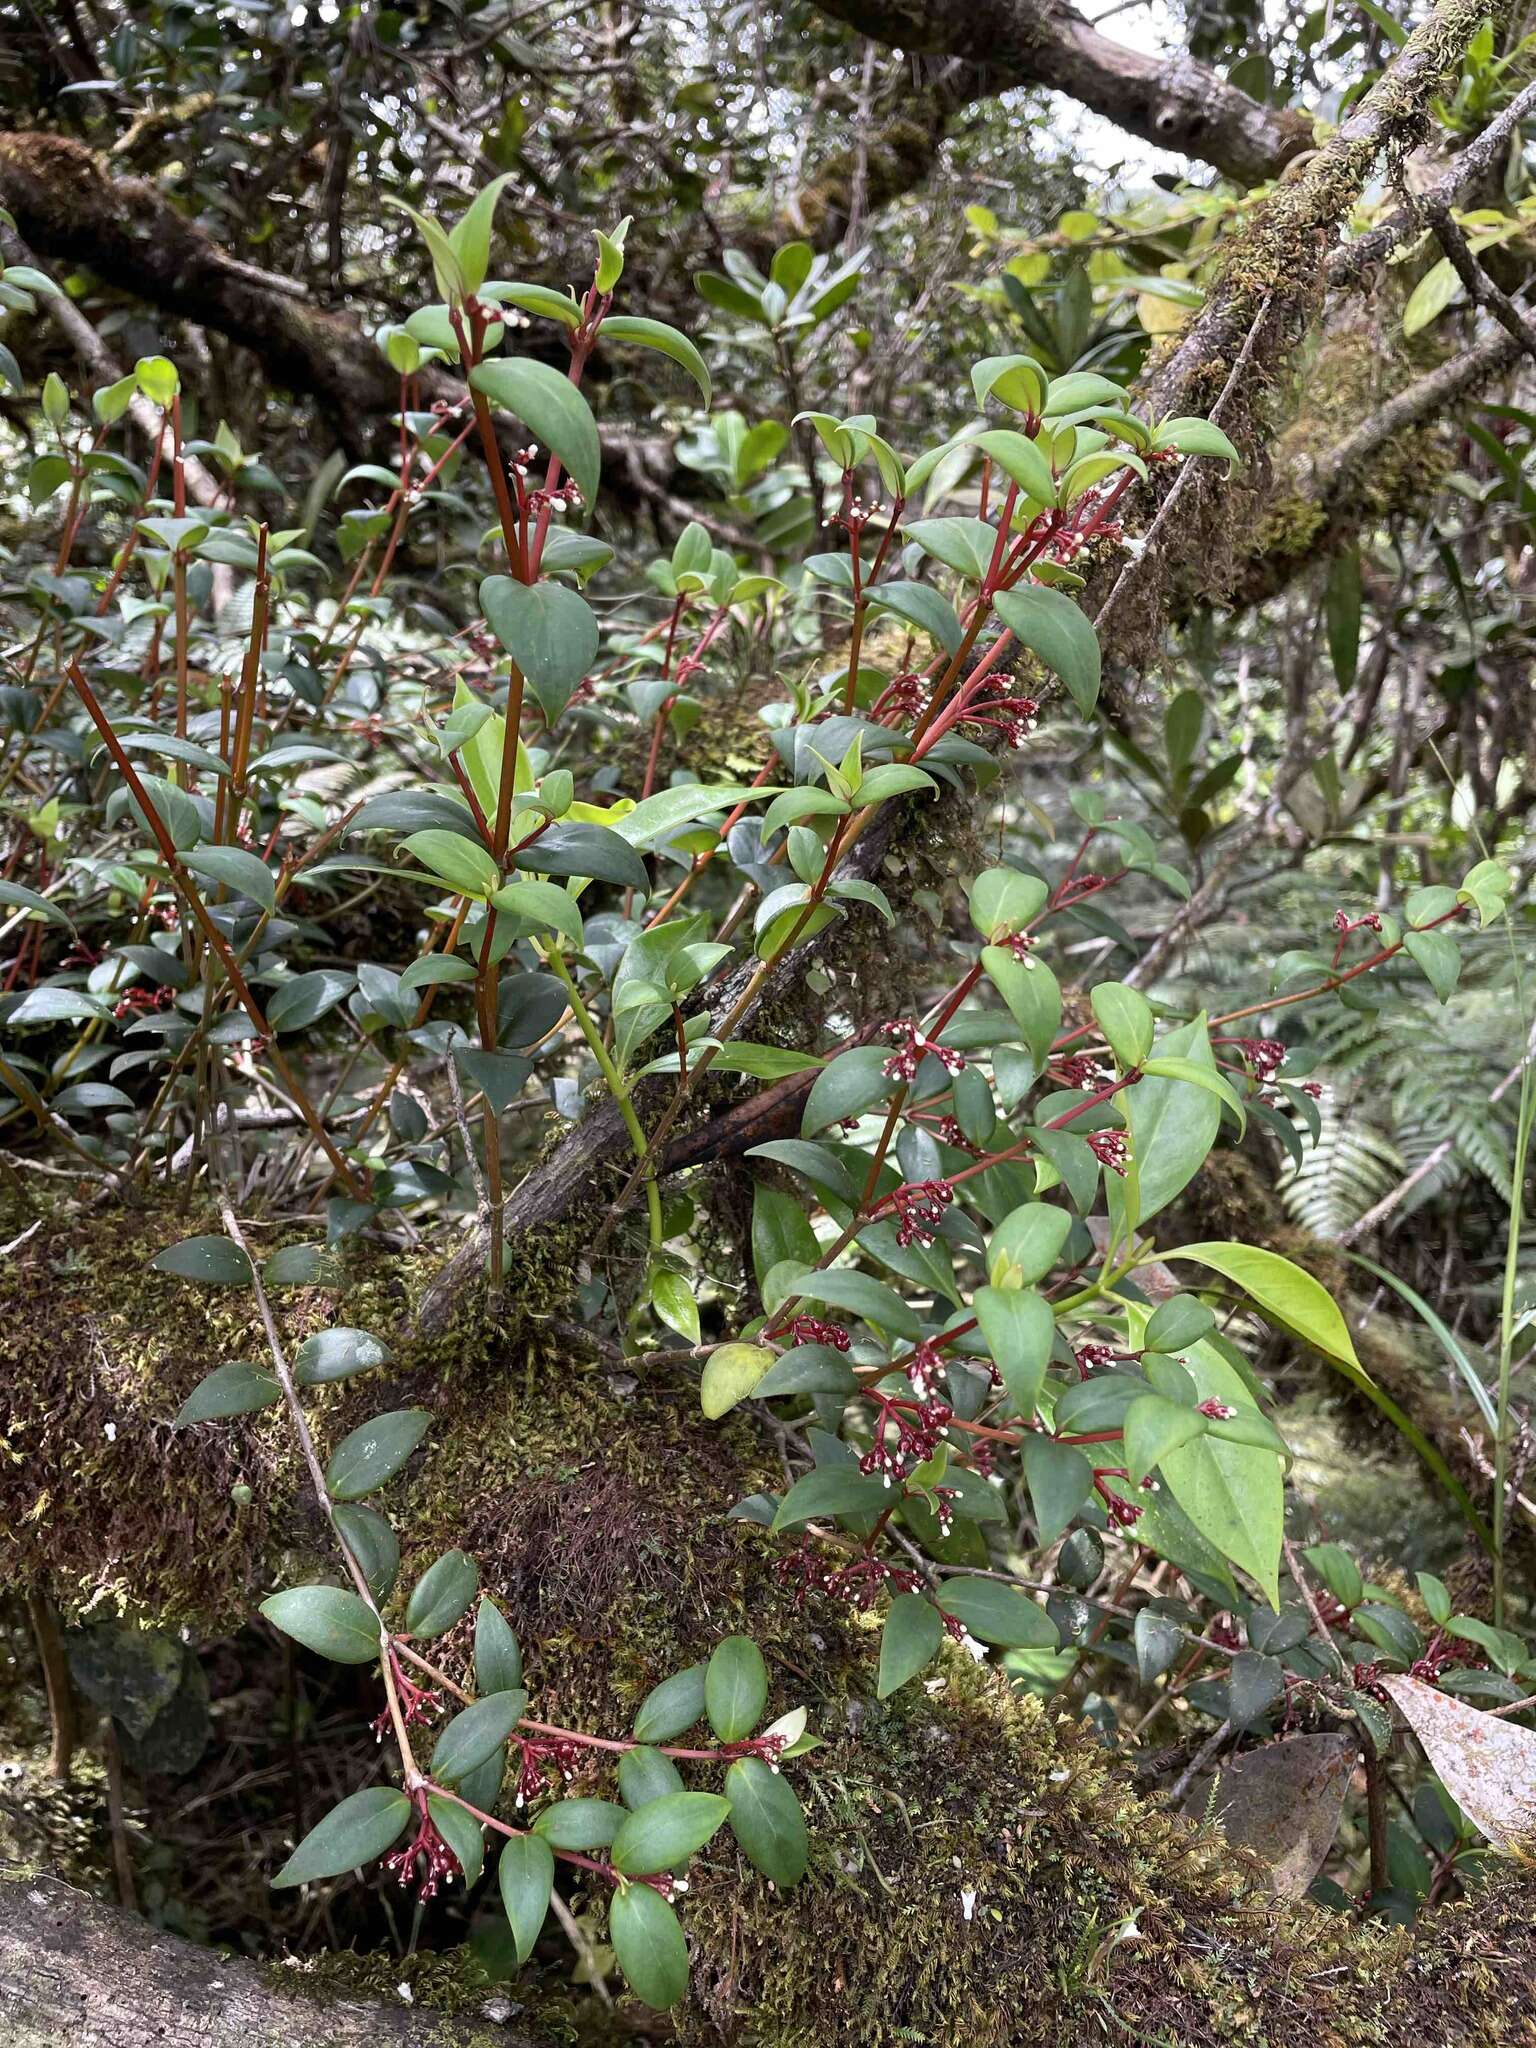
{"x": 1174, "y": 101}
{"x": 74, "y": 1971}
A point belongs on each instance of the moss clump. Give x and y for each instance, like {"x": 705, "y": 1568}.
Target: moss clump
{"x": 981, "y": 1872}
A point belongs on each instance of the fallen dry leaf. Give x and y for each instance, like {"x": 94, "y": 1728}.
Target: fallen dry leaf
{"x": 1283, "y": 1803}
{"x": 1487, "y": 1765}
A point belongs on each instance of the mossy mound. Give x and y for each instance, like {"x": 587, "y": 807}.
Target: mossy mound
{"x": 981, "y": 1871}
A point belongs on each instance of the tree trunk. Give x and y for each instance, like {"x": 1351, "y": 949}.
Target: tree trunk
{"x": 1175, "y": 102}
{"x": 78, "y": 1973}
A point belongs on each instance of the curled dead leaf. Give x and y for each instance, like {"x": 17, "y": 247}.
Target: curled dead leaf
{"x": 1487, "y": 1765}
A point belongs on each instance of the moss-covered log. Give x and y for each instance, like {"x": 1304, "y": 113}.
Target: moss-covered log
{"x": 982, "y": 1871}
{"x": 74, "y": 1971}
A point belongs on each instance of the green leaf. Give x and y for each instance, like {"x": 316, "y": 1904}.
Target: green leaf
{"x": 849, "y": 1085}
{"x": 1341, "y": 608}
{"x": 645, "y": 1774}
{"x": 1019, "y": 1329}
{"x": 1125, "y": 1018}
{"x": 1233, "y": 1493}
{"x": 964, "y": 545}
{"x": 304, "y": 998}
{"x": 235, "y": 869}
{"x": 476, "y": 1734}
{"x": 671, "y": 1708}
{"x": 356, "y": 1832}
{"x": 862, "y": 1295}
{"x": 921, "y": 606}
{"x": 296, "y": 1265}
{"x": 1154, "y": 1426}
{"x": 1004, "y": 901}
{"x": 228, "y": 1390}
{"x": 336, "y": 1354}
{"x": 551, "y": 408}
{"x": 666, "y": 1831}
{"x": 672, "y": 1299}
{"x": 1196, "y": 437}
{"x": 1079, "y": 390}
{"x": 326, "y": 1619}
{"x": 498, "y": 1660}
{"x": 1050, "y": 625}
{"x": 442, "y": 1594}
{"x": 1032, "y": 994}
{"x": 767, "y": 1821}
{"x": 995, "y": 1613}
{"x": 730, "y": 1375}
{"x": 549, "y": 630}
{"x": 1176, "y": 1322}
{"x": 735, "y": 1688}
{"x": 1172, "y": 1068}
{"x": 526, "y": 1876}
{"x": 375, "y": 1452}
{"x": 28, "y": 899}
{"x": 1281, "y": 1292}
{"x": 667, "y": 341}
{"x": 463, "y": 1834}
{"x": 1437, "y": 289}
{"x": 1026, "y": 1244}
{"x": 1023, "y": 461}
{"x": 580, "y": 1824}
{"x": 1439, "y": 957}
{"x": 649, "y": 1945}
{"x": 1173, "y": 1124}
{"x": 213, "y": 1261}
{"x": 658, "y": 817}
{"x": 543, "y": 904}
{"x": 470, "y": 241}
{"x": 373, "y": 1543}
{"x": 909, "y": 1641}
{"x": 467, "y": 867}
{"x": 1060, "y": 1480}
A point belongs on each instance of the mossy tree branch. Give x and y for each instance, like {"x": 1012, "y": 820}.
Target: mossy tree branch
{"x": 1176, "y": 103}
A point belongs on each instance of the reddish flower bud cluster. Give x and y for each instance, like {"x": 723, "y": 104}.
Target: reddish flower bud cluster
{"x": 918, "y": 1426}
{"x": 1022, "y": 946}
{"x": 1224, "y": 1632}
{"x": 418, "y": 1703}
{"x": 904, "y": 694}
{"x": 911, "y": 1045}
{"x": 1314, "y": 1089}
{"x": 1218, "y": 1411}
{"x": 538, "y": 1755}
{"x": 812, "y": 1330}
{"x": 1123, "y": 1513}
{"x": 138, "y": 1002}
{"x": 858, "y": 1583}
{"x": 1079, "y": 1070}
{"x": 1344, "y": 923}
{"x": 1111, "y": 1149}
{"x": 920, "y": 1207}
{"x": 1266, "y": 1056}
{"x": 440, "y": 1865}
{"x": 1091, "y": 1355}
{"x": 925, "y": 1369}
{"x": 1013, "y": 717}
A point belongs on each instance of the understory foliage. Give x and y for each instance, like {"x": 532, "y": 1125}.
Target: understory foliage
{"x": 734, "y": 953}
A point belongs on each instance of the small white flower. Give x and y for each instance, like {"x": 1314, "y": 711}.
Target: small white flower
{"x": 967, "y": 1904}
